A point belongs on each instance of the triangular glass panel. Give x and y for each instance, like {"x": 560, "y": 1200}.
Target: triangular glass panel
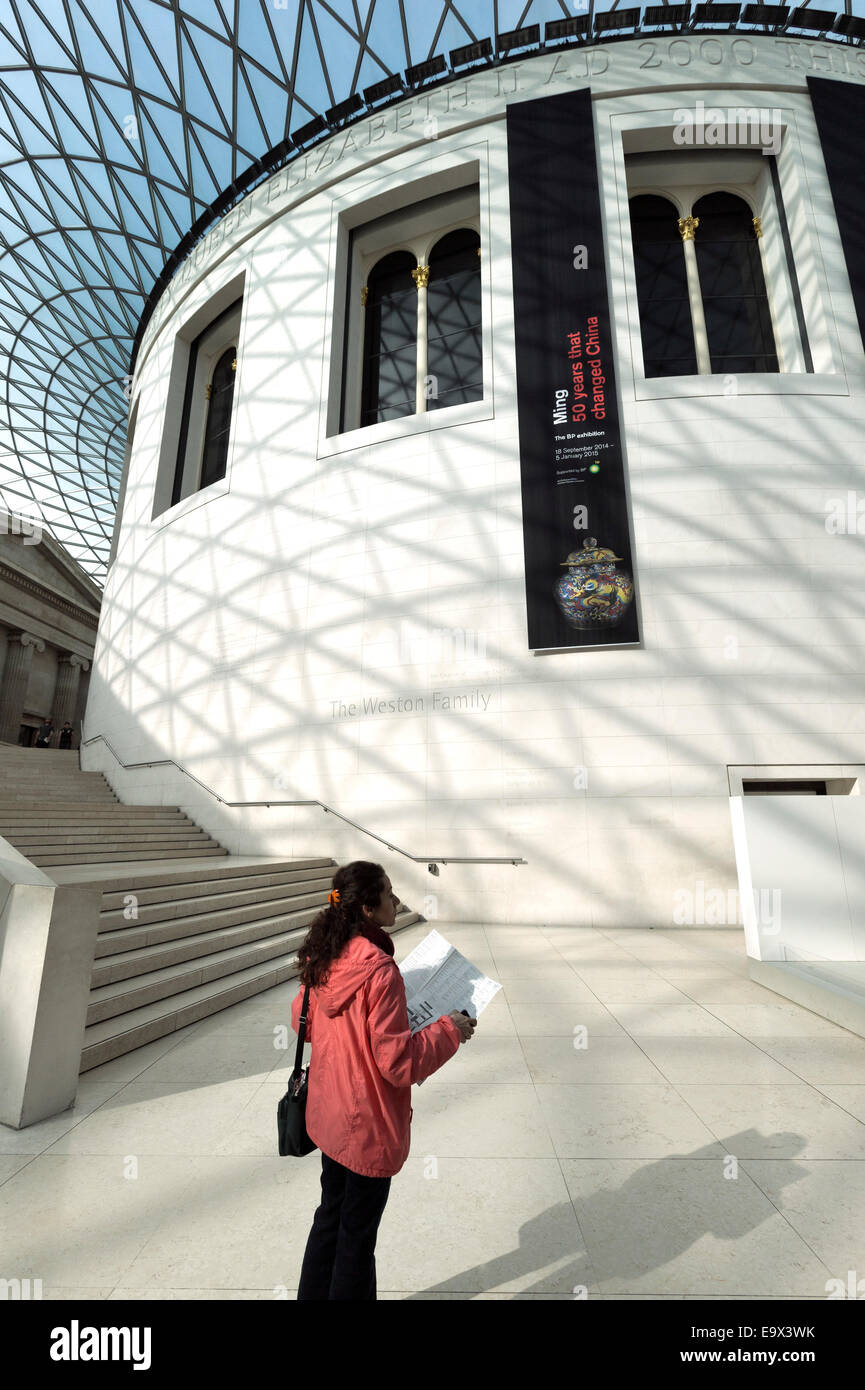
{"x": 148, "y": 77}
{"x": 100, "y": 37}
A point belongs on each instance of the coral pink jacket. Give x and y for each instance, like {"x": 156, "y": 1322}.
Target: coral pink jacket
{"x": 365, "y": 1059}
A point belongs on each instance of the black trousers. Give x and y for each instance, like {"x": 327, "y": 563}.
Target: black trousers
{"x": 339, "y": 1261}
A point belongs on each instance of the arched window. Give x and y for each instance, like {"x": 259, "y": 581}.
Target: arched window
{"x": 732, "y": 286}
{"x": 216, "y": 431}
{"x": 454, "y": 350}
{"x": 662, "y": 288}
{"x": 390, "y": 340}
{"x": 205, "y": 419}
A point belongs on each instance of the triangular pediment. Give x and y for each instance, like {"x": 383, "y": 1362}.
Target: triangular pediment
{"x": 40, "y": 559}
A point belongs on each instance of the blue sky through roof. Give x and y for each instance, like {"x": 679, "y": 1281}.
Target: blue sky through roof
{"x": 130, "y": 147}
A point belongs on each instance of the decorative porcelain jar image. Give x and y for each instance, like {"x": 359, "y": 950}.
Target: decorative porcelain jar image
{"x": 594, "y": 592}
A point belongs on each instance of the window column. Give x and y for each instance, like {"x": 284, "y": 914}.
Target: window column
{"x": 687, "y": 228}
{"x": 420, "y": 275}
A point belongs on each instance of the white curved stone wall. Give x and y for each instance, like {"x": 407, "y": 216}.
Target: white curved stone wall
{"x": 243, "y": 630}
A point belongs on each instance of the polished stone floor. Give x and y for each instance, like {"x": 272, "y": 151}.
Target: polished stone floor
{"x": 707, "y": 1141}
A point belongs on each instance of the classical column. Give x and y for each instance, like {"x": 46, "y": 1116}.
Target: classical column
{"x": 65, "y": 703}
{"x": 757, "y": 223}
{"x": 420, "y": 275}
{"x": 687, "y": 228}
{"x": 19, "y": 657}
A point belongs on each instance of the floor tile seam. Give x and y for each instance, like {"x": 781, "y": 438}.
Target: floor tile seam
{"x": 785, "y": 1218}
{"x": 472, "y": 1293}
{"x": 550, "y": 1139}
{"x": 177, "y": 1042}
{"x": 492, "y": 1157}
{"x": 696, "y": 954}
{"x": 152, "y": 1228}
{"x": 619, "y": 946}
{"x": 838, "y": 1103}
{"x": 803, "y": 1037}
{"x": 661, "y": 1036}
{"x": 80, "y": 1119}
{"x": 30, "y": 1159}
{"x": 254, "y": 1087}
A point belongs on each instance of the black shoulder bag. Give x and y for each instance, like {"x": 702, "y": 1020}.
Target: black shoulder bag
{"x": 291, "y": 1111}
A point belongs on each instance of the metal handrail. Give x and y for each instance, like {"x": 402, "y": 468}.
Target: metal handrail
{"x": 417, "y": 858}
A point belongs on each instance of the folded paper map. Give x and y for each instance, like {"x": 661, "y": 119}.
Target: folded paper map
{"x": 438, "y": 979}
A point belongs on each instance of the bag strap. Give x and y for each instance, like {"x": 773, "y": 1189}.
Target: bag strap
{"x": 298, "y": 1056}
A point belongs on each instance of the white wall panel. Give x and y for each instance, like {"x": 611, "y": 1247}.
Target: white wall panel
{"x": 325, "y": 571}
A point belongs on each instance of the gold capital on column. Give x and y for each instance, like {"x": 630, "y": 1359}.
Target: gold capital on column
{"x": 420, "y": 275}
{"x": 687, "y": 227}
{"x": 758, "y": 225}
{"x": 364, "y": 295}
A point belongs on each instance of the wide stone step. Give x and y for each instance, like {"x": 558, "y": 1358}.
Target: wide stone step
{"x": 99, "y": 806}
{"x": 53, "y": 788}
{"x": 177, "y": 979}
{"x": 92, "y": 796}
{"x": 116, "y": 976}
{"x": 53, "y": 791}
{"x": 116, "y": 834}
{"x": 115, "y": 824}
{"x": 164, "y": 883}
{"x": 17, "y": 752}
{"x": 92, "y": 815}
{"x": 85, "y": 825}
{"x": 116, "y": 856}
{"x": 116, "y": 921}
{"x": 120, "y": 954}
{"x": 113, "y": 1037}
{"x": 51, "y": 776}
{"x": 155, "y": 845}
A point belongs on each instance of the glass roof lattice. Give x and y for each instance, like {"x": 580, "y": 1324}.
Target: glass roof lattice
{"x": 121, "y": 124}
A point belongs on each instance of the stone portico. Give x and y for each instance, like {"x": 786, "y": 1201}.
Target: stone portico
{"x": 49, "y": 610}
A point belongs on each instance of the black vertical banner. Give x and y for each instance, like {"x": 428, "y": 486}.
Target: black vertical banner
{"x": 839, "y": 111}
{"x": 573, "y": 486}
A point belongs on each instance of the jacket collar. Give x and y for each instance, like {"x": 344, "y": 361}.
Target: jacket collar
{"x": 377, "y": 935}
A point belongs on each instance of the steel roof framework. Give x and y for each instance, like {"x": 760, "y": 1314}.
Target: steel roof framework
{"x": 121, "y": 123}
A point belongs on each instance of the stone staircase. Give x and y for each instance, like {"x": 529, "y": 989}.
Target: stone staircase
{"x": 186, "y": 928}
{"x": 56, "y": 814}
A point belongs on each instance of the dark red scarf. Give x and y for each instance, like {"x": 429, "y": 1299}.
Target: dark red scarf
{"x": 376, "y": 934}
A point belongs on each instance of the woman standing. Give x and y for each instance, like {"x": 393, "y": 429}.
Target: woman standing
{"x": 365, "y": 1061}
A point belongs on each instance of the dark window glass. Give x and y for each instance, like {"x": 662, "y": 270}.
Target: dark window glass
{"x": 735, "y": 303}
{"x": 454, "y": 351}
{"x": 223, "y": 406}
{"x": 784, "y": 788}
{"x": 662, "y": 288}
{"x": 390, "y": 341}
{"x": 216, "y": 431}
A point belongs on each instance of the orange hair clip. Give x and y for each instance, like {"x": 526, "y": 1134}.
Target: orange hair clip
{"x": 333, "y": 896}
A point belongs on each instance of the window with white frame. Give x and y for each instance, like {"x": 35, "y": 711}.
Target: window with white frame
{"x": 710, "y": 300}
{"x": 205, "y": 425}
{"x": 413, "y": 320}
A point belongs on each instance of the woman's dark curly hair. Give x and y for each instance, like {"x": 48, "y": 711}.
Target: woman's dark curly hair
{"x": 360, "y": 884}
